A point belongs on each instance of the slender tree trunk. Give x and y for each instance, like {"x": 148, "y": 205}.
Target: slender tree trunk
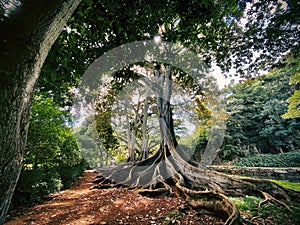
{"x": 100, "y": 156}
{"x": 131, "y": 144}
{"x": 145, "y": 145}
{"x": 130, "y": 136}
{"x": 106, "y": 159}
{"x": 25, "y": 40}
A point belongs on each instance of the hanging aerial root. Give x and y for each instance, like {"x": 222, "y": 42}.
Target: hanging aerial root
{"x": 212, "y": 201}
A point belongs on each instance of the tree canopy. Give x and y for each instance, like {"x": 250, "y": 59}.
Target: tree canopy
{"x": 232, "y": 34}
{"x": 99, "y": 26}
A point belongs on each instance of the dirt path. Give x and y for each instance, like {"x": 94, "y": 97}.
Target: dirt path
{"x": 83, "y": 205}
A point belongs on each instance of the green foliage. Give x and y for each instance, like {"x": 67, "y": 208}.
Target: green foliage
{"x": 96, "y": 139}
{"x": 52, "y": 158}
{"x": 69, "y": 174}
{"x": 173, "y": 218}
{"x": 230, "y": 152}
{"x": 99, "y": 26}
{"x": 34, "y": 185}
{"x": 105, "y": 130}
{"x": 286, "y": 184}
{"x": 88, "y": 148}
{"x": 246, "y": 204}
{"x": 120, "y": 158}
{"x": 267, "y": 34}
{"x": 289, "y": 159}
{"x": 254, "y": 109}
{"x": 50, "y": 142}
{"x": 249, "y": 209}
{"x": 294, "y": 100}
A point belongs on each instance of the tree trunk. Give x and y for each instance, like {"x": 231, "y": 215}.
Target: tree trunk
{"x": 164, "y": 86}
{"x": 131, "y": 135}
{"x": 100, "y": 156}
{"x": 145, "y": 145}
{"x": 106, "y": 159}
{"x": 25, "y": 40}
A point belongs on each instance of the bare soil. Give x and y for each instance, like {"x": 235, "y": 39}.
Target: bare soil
{"x": 82, "y": 204}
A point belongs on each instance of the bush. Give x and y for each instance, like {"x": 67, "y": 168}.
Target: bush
{"x": 52, "y": 157}
{"x": 35, "y": 185}
{"x": 230, "y": 152}
{"x": 69, "y": 174}
{"x": 289, "y": 159}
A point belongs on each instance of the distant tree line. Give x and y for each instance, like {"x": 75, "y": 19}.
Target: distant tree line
{"x": 255, "y": 114}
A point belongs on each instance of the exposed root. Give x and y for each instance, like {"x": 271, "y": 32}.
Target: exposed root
{"x": 247, "y": 222}
{"x": 211, "y": 201}
{"x": 201, "y": 188}
{"x": 157, "y": 192}
{"x": 254, "y": 218}
{"x": 154, "y": 192}
{"x": 270, "y": 198}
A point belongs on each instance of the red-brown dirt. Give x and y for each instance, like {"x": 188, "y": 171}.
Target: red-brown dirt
{"x": 82, "y": 204}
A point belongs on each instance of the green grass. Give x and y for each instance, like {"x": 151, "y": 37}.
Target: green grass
{"x": 173, "y": 218}
{"x": 248, "y": 206}
{"x": 271, "y": 213}
{"x": 286, "y": 184}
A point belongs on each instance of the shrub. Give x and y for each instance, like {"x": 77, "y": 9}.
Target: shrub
{"x": 52, "y": 157}
{"x": 230, "y": 152}
{"x": 35, "y": 185}
{"x": 69, "y": 174}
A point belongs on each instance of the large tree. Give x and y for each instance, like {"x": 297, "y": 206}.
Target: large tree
{"x": 27, "y": 34}
{"x": 169, "y": 169}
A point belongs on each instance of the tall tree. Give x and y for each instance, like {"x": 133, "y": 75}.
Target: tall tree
{"x": 169, "y": 167}
{"x": 27, "y": 35}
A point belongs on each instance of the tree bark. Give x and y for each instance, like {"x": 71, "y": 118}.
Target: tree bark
{"x": 25, "y": 40}
{"x": 100, "y": 155}
{"x": 164, "y": 84}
